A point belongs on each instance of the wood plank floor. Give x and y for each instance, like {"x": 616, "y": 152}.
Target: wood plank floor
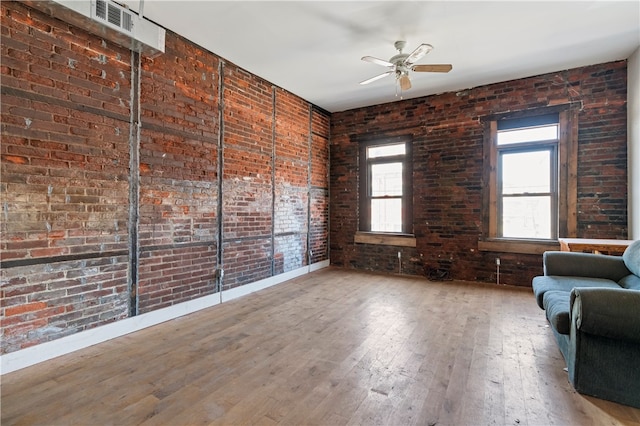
{"x": 330, "y": 348}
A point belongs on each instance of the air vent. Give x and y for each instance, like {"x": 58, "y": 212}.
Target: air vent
{"x": 113, "y": 14}
{"x": 109, "y": 20}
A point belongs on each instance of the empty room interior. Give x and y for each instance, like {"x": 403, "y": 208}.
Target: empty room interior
{"x": 320, "y": 212}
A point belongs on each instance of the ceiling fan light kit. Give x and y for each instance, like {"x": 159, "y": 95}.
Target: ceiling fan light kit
{"x": 405, "y": 83}
{"x": 402, "y": 63}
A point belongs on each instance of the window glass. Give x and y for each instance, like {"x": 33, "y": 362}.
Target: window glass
{"x": 526, "y": 172}
{"x": 386, "y": 179}
{"x": 530, "y": 157}
{"x": 525, "y": 182}
{"x": 385, "y": 186}
{"x": 526, "y": 217}
{"x": 528, "y": 134}
{"x": 386, "y": 215}
{"x": 386, "y": 150}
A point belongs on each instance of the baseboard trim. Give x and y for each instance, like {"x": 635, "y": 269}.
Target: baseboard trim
{"x": 45, "y": 351}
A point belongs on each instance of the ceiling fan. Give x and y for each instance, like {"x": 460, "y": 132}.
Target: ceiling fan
{"x": 401, "y": 63}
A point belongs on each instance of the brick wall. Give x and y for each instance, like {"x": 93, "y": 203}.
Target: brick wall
{"x": 291, "y": 180}
{"x": 178, "y": 155}
{"x": 448, "y": 165}
{"x": 65, "y": 179}
{"x": 247, "y": 179}
{"x": 319, "y": 195}
{"x": 103, "y": 219}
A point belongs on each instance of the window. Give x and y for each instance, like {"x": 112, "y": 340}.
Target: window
{"x": 385, "y": 186}
{"x": 530, "y": 167}
{"x": 527, "y": 192}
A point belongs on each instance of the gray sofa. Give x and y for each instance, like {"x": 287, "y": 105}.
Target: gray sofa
{"x": 592, "y": 302}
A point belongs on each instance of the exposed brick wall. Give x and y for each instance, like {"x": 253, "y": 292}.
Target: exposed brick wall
{"x": 319, "y": 195}
{"x": 602, "y": 164}
{"x": 447, "y": 167}
{"x": 247, "y": 177}
{"x": 319, "y": 226}
{"x": 65, "y": 170}
{"x": 47, "y": 301}
{"x": 76, "y": 168}
{"x": 291, "y": 178}
{"x": 246, "y": 260}
{"x": 178, "y": 175}
{"x": 175, "y": 274}
{"x": 65, "y": 166}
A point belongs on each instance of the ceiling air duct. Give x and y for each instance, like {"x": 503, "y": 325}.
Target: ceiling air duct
{"x": 109, "y": 20}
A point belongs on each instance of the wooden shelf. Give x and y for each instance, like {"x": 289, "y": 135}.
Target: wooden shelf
{"x": 590, "y": 245}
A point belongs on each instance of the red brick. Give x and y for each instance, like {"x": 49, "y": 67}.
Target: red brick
{"x": 67, "y": 175}
{"x": 448, "y": 163}
{"x": 21, "y": 309}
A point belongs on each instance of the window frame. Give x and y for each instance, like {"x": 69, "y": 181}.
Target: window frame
{"x": 565, "y": 172}
{"x": 365, "y": 197}
{"x": 529, "y": 147}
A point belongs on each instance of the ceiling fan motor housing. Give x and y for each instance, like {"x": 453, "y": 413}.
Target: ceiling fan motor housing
{"x": 399, "y": 58}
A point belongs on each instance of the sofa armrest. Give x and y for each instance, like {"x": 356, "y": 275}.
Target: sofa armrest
{"x": 565, "y": 263}
{"x": 608, "y": 312}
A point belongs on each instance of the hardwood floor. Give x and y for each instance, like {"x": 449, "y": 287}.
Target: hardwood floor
{"x": 333, "y": 347}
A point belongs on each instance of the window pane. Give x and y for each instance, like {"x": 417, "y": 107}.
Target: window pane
{"x": 386, "y": 150}
{"x": 529, "y": 134}
{"x": 526, "y": 172}
{"x": 386, "y": 215}
{"x": 526, "y": 217}
{"x": 386, "y": 179}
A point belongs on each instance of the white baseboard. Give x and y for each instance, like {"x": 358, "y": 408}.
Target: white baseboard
{"x": 45, "y": 351}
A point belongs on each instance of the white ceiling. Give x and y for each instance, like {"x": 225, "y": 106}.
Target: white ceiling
{"x": 314, "y": 48}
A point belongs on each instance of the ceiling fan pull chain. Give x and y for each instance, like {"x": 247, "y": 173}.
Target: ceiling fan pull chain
{"x": 398, "y": 85}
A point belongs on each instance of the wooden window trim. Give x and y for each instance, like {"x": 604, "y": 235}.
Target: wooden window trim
{"x": 364, "y": 225}
{"x": 379, "y": 238}
{"x": 567, "y": 182}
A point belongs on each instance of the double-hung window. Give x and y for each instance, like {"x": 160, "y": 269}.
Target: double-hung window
{"x": 530, "y": 168}
{"x": 527, "y": 178}
{"x": 385, "y": 186}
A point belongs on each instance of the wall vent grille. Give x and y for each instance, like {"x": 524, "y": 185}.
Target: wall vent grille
{"x": 109, "y": 20}
{"x": 113, "y": 14}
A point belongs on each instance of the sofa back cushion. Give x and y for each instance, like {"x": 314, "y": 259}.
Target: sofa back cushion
{"x": 631, "y": 281}
{"x": 589, "y": 265}
{"x": 631, "y": 257}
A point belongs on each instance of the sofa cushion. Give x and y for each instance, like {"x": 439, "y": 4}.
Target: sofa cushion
{"x": 574, "y": 264}
{"x": 631, "y": 281}
{"x": 556, "y": 307}
{"x": 631, "y": 257}
{"x": 544, "y": 283}
{"x": 606, "y": 312}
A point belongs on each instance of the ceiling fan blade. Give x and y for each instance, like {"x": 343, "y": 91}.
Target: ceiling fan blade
{"x": 378, "y": 77}
{"x": 377, "y": 61}
{"x": 432, "y": 68}
{"x": 405, "y": 83}
{"x": 417, "y": 54}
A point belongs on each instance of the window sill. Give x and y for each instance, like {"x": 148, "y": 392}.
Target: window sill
{"x": 401, "y": 240}
{"x": 518, "y": 246}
